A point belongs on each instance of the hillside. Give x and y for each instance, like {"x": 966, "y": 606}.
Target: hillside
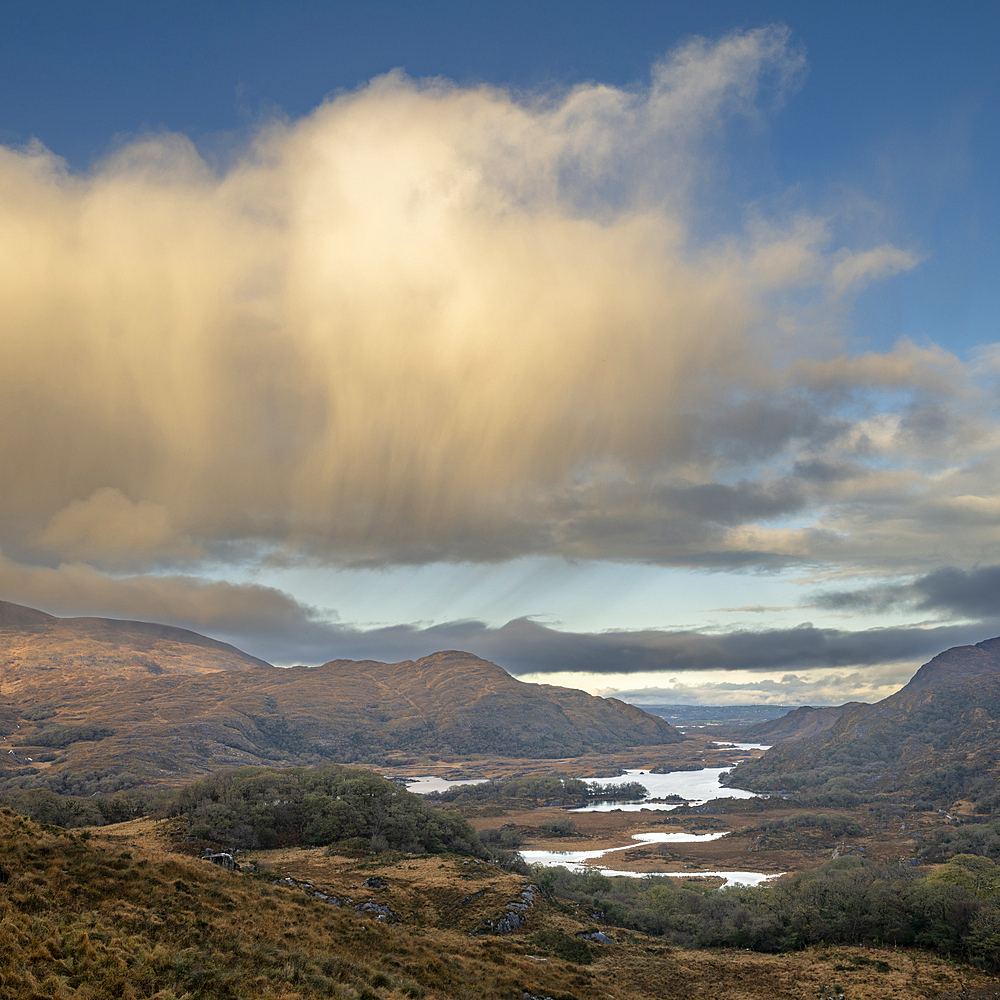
{"x": 797, "y": 724}
{"x": 474, "y": 706}
{"x": 121, "y": 914}
{"x": 936, "y": 740}
{"x": 128, "y": 917}
{"x": 91, "y": 704}
{"x": 39, "y": 651}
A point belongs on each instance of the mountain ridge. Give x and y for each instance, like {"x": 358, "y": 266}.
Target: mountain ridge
{"x": 140, "y": 699}
{"x": 936, "y": 740}
{"x": 36, "y": 648}
{"x": 797, "y": 724}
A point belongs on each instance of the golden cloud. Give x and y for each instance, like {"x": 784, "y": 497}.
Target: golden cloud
{"x": 424, "y": 322}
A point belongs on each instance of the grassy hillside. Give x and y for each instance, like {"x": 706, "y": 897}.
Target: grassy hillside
{"x": 38, "y": 652}
{"x": 936, "y": 741}
{"x": 96, "y": 919}
{"x": 117, "y": 915}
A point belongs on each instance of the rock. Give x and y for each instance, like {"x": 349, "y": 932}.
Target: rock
{"x": 597, "y": 936}
{"x": 514, "y": 915}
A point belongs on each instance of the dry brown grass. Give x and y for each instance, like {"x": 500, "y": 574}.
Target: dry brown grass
{"x": 119, "y": 915}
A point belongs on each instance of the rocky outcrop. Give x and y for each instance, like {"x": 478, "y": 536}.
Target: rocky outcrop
{"x": 514, "y": 916}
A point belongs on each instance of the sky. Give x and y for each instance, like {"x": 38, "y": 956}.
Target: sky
{"x": 645, "y": 348}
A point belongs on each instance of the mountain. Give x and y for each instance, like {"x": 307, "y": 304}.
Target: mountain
{"x": 797, "y": 724}
{"x": 936, "y": 740}
{"x": 85, "y": 701}
{"x": 38, "y": 650}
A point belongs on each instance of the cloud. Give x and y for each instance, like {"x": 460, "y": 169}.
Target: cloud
{"x": 107, "y": 527}
{"x": 431, "y": 322}
{"x": 862, "y": 268}
{"x": 948, "y": 591}
{"x": 760, "y": 609}
{"x": 252, "y": 615}
{"x": 526, "y": 647}
{"x": 803, "y": 663}
{"x": 825, "y": 688}
{"x": 973, "y": 593}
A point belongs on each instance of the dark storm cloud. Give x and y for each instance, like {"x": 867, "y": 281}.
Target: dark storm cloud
{"x": 525, "y": 646}
{"x": 756, "y": 429}
{"x": 271, "y": 624}
{"x": 973, "y": 593}
{"x": 736, "y": 504}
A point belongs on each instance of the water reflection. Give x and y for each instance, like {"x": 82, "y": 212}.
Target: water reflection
{"x": 694, "y": 787}
{"x": 730, "y": 878}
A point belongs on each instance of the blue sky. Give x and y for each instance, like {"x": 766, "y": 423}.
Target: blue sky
{"x": 664, "y": 330}
{"x": 900, "y": 100}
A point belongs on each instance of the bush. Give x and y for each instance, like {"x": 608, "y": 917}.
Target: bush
{"x": 553, "y": 941}
{"x": 561, "y": 827}
{"x": 268, "y": 807}
{"x": 509, "y": 838}
{"x": 846, "y": 901}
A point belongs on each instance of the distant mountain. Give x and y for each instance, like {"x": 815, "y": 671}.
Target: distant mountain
{"x": 797, "y": 724}
{"x": 99, "y": 697}
{"x": 937, "y": 740}
{"x": 721, "y": 718}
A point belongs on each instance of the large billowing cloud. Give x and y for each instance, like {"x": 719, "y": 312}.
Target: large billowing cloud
{"x": 425, "y": 322}
{"x": 431, "y": 322}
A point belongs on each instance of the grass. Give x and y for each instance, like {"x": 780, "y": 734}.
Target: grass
{"x": 91, "y": 918}
{"x": 118, "y": 915}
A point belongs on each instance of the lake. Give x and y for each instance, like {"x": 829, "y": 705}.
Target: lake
{"x": 697, "y": 787}
{"x": 577, "y": 860}
{"x": 431, "y": 783}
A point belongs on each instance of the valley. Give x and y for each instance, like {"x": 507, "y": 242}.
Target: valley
{"x": 499, "y": 501}
{"x": 135, "y": 750}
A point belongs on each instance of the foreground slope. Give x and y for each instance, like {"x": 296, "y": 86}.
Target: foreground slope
{"x": 936, "y": 740}
{"x": 119, "y": 915}
{"x": 137, "y": 701}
